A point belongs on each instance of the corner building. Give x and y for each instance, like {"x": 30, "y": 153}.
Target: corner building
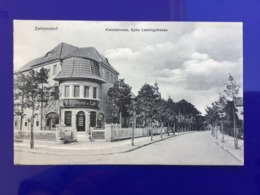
{"x": 83, "y": 77}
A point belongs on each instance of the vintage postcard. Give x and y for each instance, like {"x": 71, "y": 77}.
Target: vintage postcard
{"x": 96, "y": 92}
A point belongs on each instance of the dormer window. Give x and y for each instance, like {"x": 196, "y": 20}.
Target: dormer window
{"x": 54, "y": 69}
{"x": 49, "y": 53}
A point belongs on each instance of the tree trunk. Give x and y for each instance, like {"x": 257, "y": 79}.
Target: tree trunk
{"x": 235, "y": 131}
{"x": 120, "y": 119}
{"x": 222, "y": 130}
{"x": 151, "y": 129}
{"x": 133, "y": 128}
{"x": 32, "y": 136}
{"x": 216, "y": 131}
{"x": 161, "y": 130}
{"x": 21, "y": 121}
{"x": 168, "y": 128}
{"x": 41, "y": 107}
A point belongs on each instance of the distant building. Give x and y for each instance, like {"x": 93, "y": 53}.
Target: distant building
{"x": 82, "y": 76}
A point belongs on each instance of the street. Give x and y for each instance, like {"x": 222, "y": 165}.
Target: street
{"x": 190, "y": 149}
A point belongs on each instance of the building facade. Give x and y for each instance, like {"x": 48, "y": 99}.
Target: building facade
{"x": 82, "y": 77}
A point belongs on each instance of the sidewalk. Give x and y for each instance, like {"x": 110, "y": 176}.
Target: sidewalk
{"x": 228, "y": 145}
{"x": 97, "y": 147}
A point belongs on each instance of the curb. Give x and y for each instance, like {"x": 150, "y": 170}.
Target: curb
{"x": 231, "y": 153}
{"x": 82, "y": 152}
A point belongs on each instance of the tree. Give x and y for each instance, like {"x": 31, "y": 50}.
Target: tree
{"x": 31, "y": 94}
{"x": 186, "y": 113}
{"x": 26, "y": 88}
{"x": 171, "y": 114}
{"x": 212, "y": 115}
{"x": 19, "y": 92}
{"x": 231, "y": 90}
{"x": 160, "y": 112}
{"x": 146, "y": 101}
{"x": 120, "y": 94}
{"x": 42, "y": 78}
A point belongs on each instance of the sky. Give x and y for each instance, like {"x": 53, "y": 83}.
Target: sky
{"x": 189, "y": 60}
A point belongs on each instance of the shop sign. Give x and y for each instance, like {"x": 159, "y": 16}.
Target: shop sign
{"x": 79, "y": 103}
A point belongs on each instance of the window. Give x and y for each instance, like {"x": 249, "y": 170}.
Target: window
{"x": 76, "y": 91}
{"x": 103, "y": 73}
{"x": 37, "y": 123}
{"x": 111, "y": 78}
{"x": 86, "y": 91}
{"x": 67, "y": 91}
{"x": 54, "y": 72}
{"x": 25, "y": 124}
{"x": 67, "y": 118}
{"x": 92, "y": 119}
{"x": 15, "y": 123}
{"x": 107, "y": 77}
{"x": 94, "y": 92}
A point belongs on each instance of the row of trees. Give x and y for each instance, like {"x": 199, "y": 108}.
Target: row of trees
{"x": 149, "y": 107}
{"x": 223, "y": 112}
{"x": 30, "y": 92}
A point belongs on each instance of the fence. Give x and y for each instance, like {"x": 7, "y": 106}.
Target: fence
{"x": 38, "y": 135}
{"x": 114, "y": 132}
{"x": 230, "y": 132}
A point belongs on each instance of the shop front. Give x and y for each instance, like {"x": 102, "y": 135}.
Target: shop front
{"x": 81, "y": 114}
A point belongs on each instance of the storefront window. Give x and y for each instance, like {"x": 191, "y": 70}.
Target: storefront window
{"x": 76, "y": 91}
{"x": 86, "y": 91}
{"x": 94, "y": 92}
{"x": 100, "y": 121}
{"x": 93, "y": 119}
{"x": 67, "y": 118}
{"x": 67, "y": 91}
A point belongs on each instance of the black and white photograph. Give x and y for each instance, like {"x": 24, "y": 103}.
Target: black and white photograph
{"x": 128, "y": 93}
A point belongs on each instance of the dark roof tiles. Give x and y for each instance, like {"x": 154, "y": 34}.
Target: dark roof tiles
{"x": 75, "y": 67}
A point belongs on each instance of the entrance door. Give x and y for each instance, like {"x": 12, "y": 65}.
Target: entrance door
{"x": 52, "y": 119}
{"x": 81, "y": 121}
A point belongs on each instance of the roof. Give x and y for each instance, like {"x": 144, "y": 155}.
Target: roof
{"x": 79, "y": 68}
{"x": 63, "y": 51}
{"x": 57, "y": 53}
{"x": 90, "y": 53}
